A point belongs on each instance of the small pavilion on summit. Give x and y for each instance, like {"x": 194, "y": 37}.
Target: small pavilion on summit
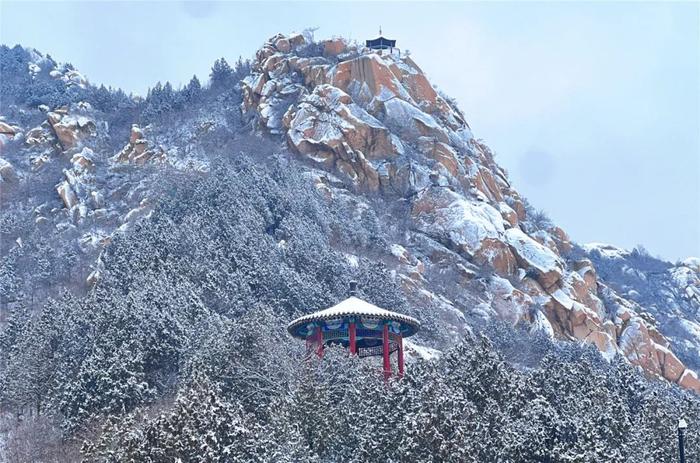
{"x": 365, "y": 329}
{"x": 381, "y": 43}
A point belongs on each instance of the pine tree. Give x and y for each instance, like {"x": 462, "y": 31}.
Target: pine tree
{"x": 193, "y": 90}
{"x": 221, "y": 75}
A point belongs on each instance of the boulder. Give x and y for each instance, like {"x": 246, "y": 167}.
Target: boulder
{"x": 8, "y": 176}
{"x": 689, "y": 380}
{"x": 297, "y": 41}
{"x": 545, "y": 239}
{"x": 508, "y": 214}
{"x": 329, "y": 129}
{"x": 533, "y": 256}
{"x": 334, "y": 47}
{"x": 484, "y": 181}
{"x": 451, "y": 219}
{"x": 6, "y": 129}
{"x": 137, "y": 151}
{"x": 7, "y": 133}
{"x": 603, "y": 342}
{"x": 39, "y": 136}
{"x": 418, "y": 87}
{"x": 7, "y": 172}
{"x": 671, "y": 367}
{"x": 67, "y": 194}
{"x": 83, "y": 160}
{"x": 70, "y": 130}
{"x": 509, "y": 303}
{"x": 282, "y": 44}
{"x": 561, "y": 239}
{"x": 585, "y": 293}
{"x": 136, "y": 133}
{"x": 410, "y": 122}
{"x": 442, "y": 153}
{"x": 496, "y": 255}
{"x": 637, "y": 346}
{"x": 519, "y": 209}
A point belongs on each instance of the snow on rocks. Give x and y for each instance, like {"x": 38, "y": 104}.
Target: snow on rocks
{"x": 143, "y": 210}
{"x": 8, "y": 176}
{"x": 67, "y": 194}
{"x": 377, "y": 123}
{"x": 509, "y": 303}
{"x": 7, "y": 132}
{"x": 639, "y": 344}
{"x": 366, "y": 77}
{"x": 686, "y": 276}
{"x": 70, "y": 129}
{"x": 451, "y": 219}
{"x": 414, "y": 349}
{"x": 347, "y": 109}
{"x": 541, "y": 324}
{"x": 411, "y": 123}
{"x": 689, "y": 380}
{"x": 138, "y": 151}
{"x": 607, "y": 251}
{"x": 41, "y": 135}
{"x": 534, "y": 256}
{"x": 330, "y": 129}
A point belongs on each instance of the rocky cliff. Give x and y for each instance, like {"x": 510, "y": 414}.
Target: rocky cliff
{"x": 375, "y": 122}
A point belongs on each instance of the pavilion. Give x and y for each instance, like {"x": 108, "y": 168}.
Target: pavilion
{"x": 365, "y": 329}
{"x": 381, "y": 43}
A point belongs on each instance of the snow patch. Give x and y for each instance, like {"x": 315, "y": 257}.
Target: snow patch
{"x": 541, "y": 324}
{"x": 424, "y": 352}
{"x": 536, "y": 255}
{"x": 606, "y": 250}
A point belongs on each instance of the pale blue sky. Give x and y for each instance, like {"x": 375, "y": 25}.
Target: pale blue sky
{"x": 592, "y": 107}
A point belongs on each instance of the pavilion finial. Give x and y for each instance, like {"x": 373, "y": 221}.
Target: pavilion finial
{"x": 353, "y": 288}
{"x": 380, "y": 31}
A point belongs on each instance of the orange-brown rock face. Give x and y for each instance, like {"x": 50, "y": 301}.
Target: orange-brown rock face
{"x": 497, "y": 255}
{"x": 7, "y": 129}
{"x": 689, "y": 380}
{"x": 334, "y": 47}
{"x": 67, "y": 194}
{"x": 332, "y": 131}
{"x": 533, "y": 256}
{"x": 370, "y": 72}
{"x": 7, "y": 132}
{"x": 137, "y": 150}
{"x": 69, "y": 129}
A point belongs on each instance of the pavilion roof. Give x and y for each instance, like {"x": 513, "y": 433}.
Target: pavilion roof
{"x": 380, "y": 43}
{"x": 354, "y": 307}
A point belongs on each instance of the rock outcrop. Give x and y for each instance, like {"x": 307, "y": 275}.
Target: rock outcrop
{"x": 7, "y": 133}
{"x": 8, "y": 175}
{"x": 70, "y": 129}
{"x": 138, "y": 151}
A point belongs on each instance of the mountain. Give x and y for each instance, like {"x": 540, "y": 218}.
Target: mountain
{"x": 146, "y": 240}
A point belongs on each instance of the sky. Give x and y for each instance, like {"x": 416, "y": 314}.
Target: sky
{"x": 593, "y": 108}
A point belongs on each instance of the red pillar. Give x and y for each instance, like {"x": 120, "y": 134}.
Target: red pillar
{"x": 353, "y": 338}
{"x": 400, "y": 355}
{"x": 385, "y": 352}
{"x": 319, "y": 341}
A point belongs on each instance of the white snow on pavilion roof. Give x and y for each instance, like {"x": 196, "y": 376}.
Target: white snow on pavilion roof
{"x": 354, "y": 306}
